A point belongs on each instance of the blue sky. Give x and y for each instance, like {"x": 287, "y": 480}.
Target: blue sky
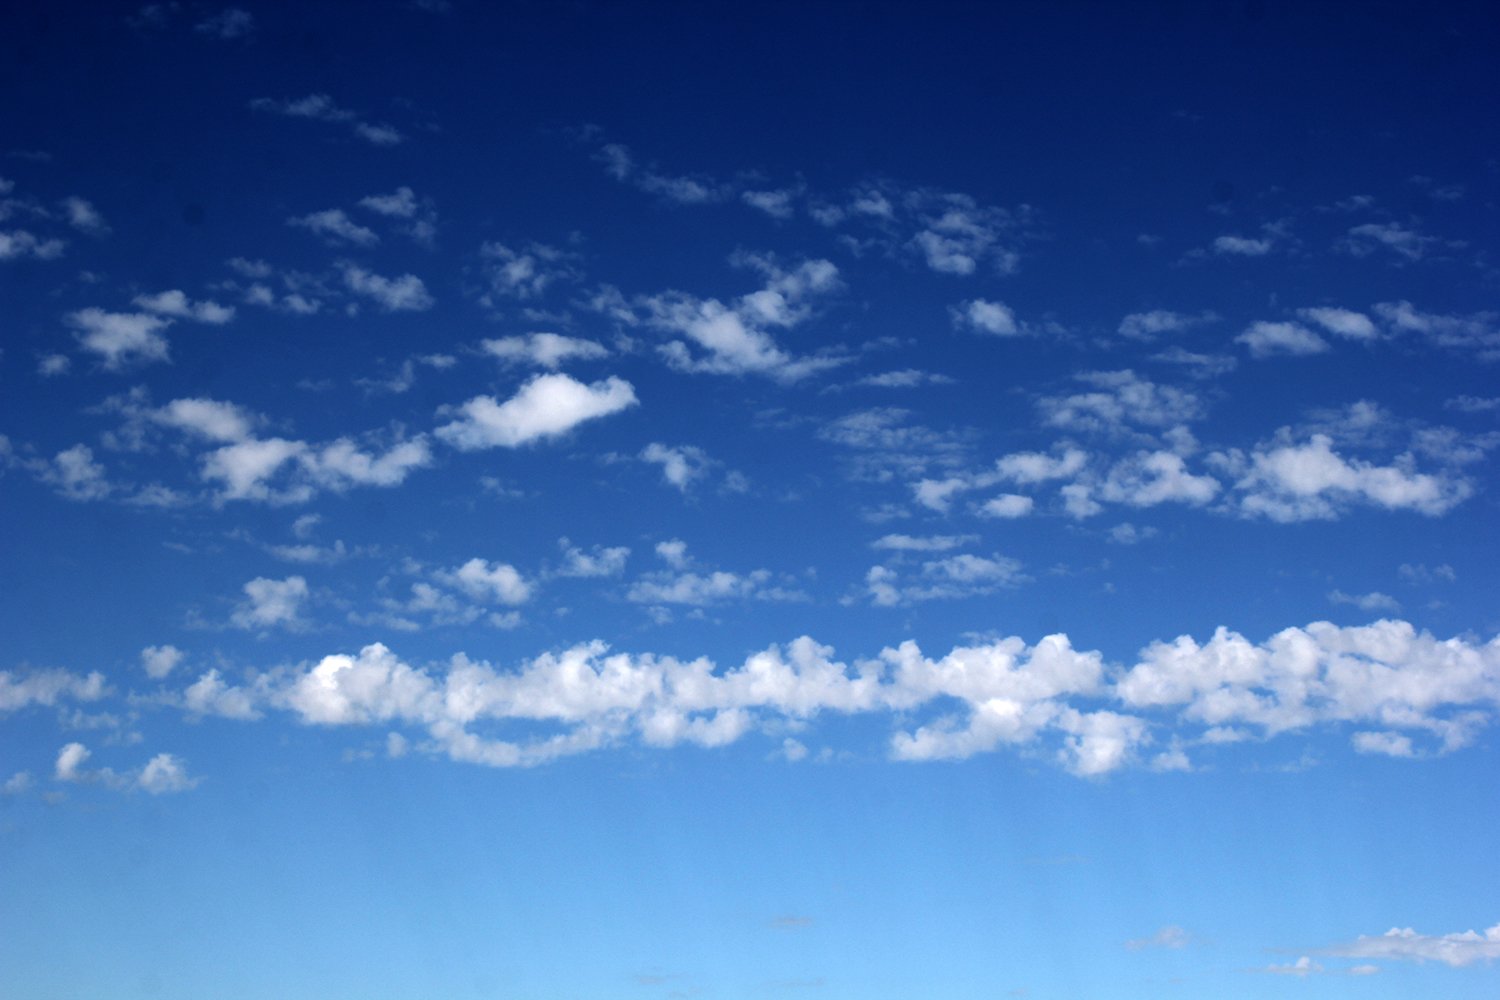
{"x": 703, "y": 501}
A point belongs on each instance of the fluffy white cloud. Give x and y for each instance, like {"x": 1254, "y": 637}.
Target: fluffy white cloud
{"x": 1269, "y": 339}
{"x": 120, "y": 339}
{"x": 74, "y": 474}
{"x": 270, "y": 603}
{"x": 622, "y": 166}
{"x": 490, "y": 582}
{"x": 933, "y": 543}
{"x": 1150, "y": 478}
{"x": 549, "y": 350}
{"x": 949, "y": 578}
{"x": 1028, "y": 467}
{"x": 1287, "y": 482}
{"x": 70, "y": 760}
{"x": 985, "y": 316}
{"x": 159, "y": 661}
{"x": 165, "y": 774}
{"x": 1373, "y": 601}
{"x": 48, "y": 687}
{"x": 210, "y": 419}
{"x": 1406, "y": 244}
{"x": 547, "y": 406}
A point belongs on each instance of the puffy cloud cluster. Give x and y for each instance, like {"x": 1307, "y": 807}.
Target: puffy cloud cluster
{"x": 163, "y": 774}
{"x": 1405, "y": 944}
{"x": 736, "y": 338}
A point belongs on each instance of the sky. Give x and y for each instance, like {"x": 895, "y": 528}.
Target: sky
{"x": 669, "y": 500}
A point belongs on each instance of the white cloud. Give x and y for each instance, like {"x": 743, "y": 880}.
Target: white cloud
{"x": 1146, "y": 326}
{"x": 1242, "y": 246}
{"x": 120, "y": 339}
{"x": 176, "y": 304}
{"x": 159, "y": 661}
{"x": 1407, "y": 244}
{"x": 50, "y": 365}
{"x": 1301, "y": 968}
{"x": 270, "y": 603}
{"x": 165, "y": 774}
{"x": 1269, "y": 339}
{"x": 1028, "y": 467}
{"x": 1150, "y": 478}
{"x": 335, "y": 228}
{"x": 74, "y": 474}
{"x": 777, "y": 204}
{"x": 48, "y": 687}
{"x": 933, "y": 543}
{"x": 84, "y": 217}
{"x": 680, "y": 465}
{"x": 69, "y": 760}
{"x": 546, "y": 406}
{"x": 210, "y": 419}
{"x": 399, "y": 204}
{"x": 1405, "y": 944}
{"x": 19, "y": 243}
{"x": 490, "y": 582}
{"x": 906, "y": 378}
{"x": 1120, "y": 399}
{"x": 1288, "y": 482}
{"x": 527, "y": 273}
{"x": 403, "y": 294}
{"x": 735, "y": 339}
{"x": 949, "y": 578}
{"x": 1478, "y": 332}
{"x": 1007, "y": 506}
{"x": 244, "y": 468}
{"x": 1198, "y": 365}
{"x": 549, "y": 350}
{"x": 1373, "y": 601}
{"x": 1343, "y": 322}
{"x": 600, "y": 562}
{"x": 958, "y": 234}
{"x": 985, "y": 316}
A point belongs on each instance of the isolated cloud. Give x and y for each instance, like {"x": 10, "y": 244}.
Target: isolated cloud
{"x": 335, "y": 228}
{"x": 406, "y": 293}
{"x": 120, "y": 339}
{"x": 1405, "y": 944}
{"x": 159, "y": 661}
{"x": 270, "y": 603}
{"x": 545, "y": 407}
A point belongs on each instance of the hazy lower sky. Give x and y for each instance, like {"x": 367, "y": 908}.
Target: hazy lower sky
{"x": 829, "y": 500}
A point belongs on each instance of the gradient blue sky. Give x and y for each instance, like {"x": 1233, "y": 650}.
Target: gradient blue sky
{"x": 692, "y": 500}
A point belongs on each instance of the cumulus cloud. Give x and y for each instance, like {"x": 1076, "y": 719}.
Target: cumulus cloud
{"x": 949, "y": 578}
{"x": 1242, "y": 246}
{"x": 270, "y": 603}
{"x": 547, "y": 350}
{"x": 1289, "y": 481}
{"x": 545, "y": 407}
{"x": 48, "y": 687}
{"x": 1406, "y": 244}
{"x": 159, "y": 661}
{"x": 985, "y": 316}
{"x": 494, "y": 583}
{"x": 931, "y": 543}
{"x": 120, "y": 340}
{"x": 598, "y": 562}
{"x": 84, "y": 217}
